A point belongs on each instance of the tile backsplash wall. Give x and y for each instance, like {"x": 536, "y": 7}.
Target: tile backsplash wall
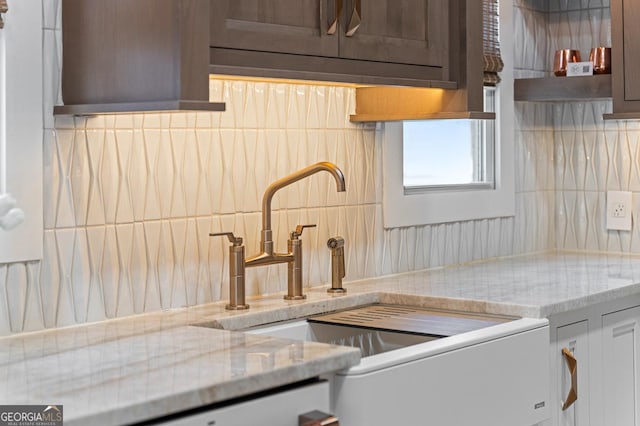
{"x": 590, "y": 156}
{"x": 130, "y": 199}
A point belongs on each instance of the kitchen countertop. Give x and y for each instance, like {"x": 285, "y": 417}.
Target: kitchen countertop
{"x": 146, "y": 366}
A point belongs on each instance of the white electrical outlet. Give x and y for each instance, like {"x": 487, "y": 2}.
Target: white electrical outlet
{"x": 619, "y": 210}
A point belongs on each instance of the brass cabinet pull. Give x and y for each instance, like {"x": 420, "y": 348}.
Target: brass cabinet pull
{"x": 4, "y": 8}
{"x": 317, "y": 418}
{"x": 354, "y": 22}
{"x": 337, "y": 11}
{"x": 572, "y": 365}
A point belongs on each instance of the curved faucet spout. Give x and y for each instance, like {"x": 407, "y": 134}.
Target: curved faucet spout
{"x": 266, "y": 243}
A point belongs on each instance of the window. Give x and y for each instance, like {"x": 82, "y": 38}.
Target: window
{"x": 487, "y": 190}
{"x": 449, "y": 154}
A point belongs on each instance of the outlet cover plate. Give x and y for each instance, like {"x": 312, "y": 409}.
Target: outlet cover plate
{"x": 619, "y": 210}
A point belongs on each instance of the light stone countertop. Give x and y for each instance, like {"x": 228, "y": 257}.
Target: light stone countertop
{"x": 142, "y": 367}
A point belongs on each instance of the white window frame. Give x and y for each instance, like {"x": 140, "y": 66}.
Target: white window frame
{"x": 403, "y": 210}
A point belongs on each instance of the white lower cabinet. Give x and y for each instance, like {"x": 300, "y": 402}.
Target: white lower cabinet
{"x": 604, "y": 341}
{"x": 620, "y": 365}
{"x": 279, "y": 408}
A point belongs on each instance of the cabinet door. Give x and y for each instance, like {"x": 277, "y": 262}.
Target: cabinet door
{"x": 625, "y": 55}
{"x": 631, "y": 45}
{"x": 574, "y": 337}
{"x": 398, "y": 31}
{"x": 282, "y": 26}
{"x": 620, "y": 364}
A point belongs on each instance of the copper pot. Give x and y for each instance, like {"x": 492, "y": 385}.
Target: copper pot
{"x": 601, "y": 59}
{"x": 562, "y": 58}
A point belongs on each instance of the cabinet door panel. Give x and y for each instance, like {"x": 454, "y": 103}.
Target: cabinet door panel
{"x": 620, "y": 360}
{"x": 574, "y": 337}
{"x": 631, "y": 46}
{"x": 282, "y": 26}
{"x": 399, "y": 31}
{"x": 625, "y": 56}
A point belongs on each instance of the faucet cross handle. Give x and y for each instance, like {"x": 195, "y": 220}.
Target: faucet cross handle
{"x": 236, "y": 241}
{"x": 298, "y": 232}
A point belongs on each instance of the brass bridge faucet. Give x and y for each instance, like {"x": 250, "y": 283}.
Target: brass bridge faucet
{"x": 267, "y": 254}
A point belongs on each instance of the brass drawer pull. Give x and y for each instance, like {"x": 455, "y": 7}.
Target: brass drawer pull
{"x": 572, "y": 365}
{"x": 4, "y": 8}
{"x": 317, "y": 418}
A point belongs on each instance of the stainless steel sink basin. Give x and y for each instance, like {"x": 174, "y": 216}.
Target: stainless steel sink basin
{"x": 376, "y": 329}
{"x": 371, "y": 342}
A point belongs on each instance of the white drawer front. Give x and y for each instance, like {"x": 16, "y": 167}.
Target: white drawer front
{"x": 280, "y": 409}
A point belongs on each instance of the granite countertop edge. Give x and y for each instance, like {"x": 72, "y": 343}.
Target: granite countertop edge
{"x": 537, "y": 286}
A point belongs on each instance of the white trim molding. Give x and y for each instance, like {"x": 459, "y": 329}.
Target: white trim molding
{"x": 21, "y": 78}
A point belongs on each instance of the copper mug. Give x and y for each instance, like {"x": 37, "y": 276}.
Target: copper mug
{"x": 562, "y": 58}
{"x": 601, "y": 59}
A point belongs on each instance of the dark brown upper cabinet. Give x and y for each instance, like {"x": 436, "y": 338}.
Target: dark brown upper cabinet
{"x": 133, "y": 56}
{"x": 625, "y": 59}
{"x": 147, "y": 55}
{"x": 398, "y": 42}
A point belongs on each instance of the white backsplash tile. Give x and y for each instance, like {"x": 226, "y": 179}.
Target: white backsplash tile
{"x": 49, "y": 14}
{"x": 95, "y": 300}
{"x": 16, "y": 290}
{"x": 49, "y": 280}
{"x": 33, "y": 319}
{"x": 530, "y": 39}
{"x": 65, "y": 310}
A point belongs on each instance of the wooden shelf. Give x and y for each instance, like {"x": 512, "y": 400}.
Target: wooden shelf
{"x": 363, "y": 118}
{"x": 385, "y": 103}
{"x": 622, "y": 116}
{"x": 563, "y": 88}
{"x": 133, "y": 107}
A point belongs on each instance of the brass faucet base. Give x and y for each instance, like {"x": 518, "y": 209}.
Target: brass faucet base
{"x": 236, "y": 307}
{"x": 304, "y": 296}
{"x": 336, "y": 290}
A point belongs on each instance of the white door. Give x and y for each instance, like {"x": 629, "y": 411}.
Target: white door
{"x": 620, "y": 364}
